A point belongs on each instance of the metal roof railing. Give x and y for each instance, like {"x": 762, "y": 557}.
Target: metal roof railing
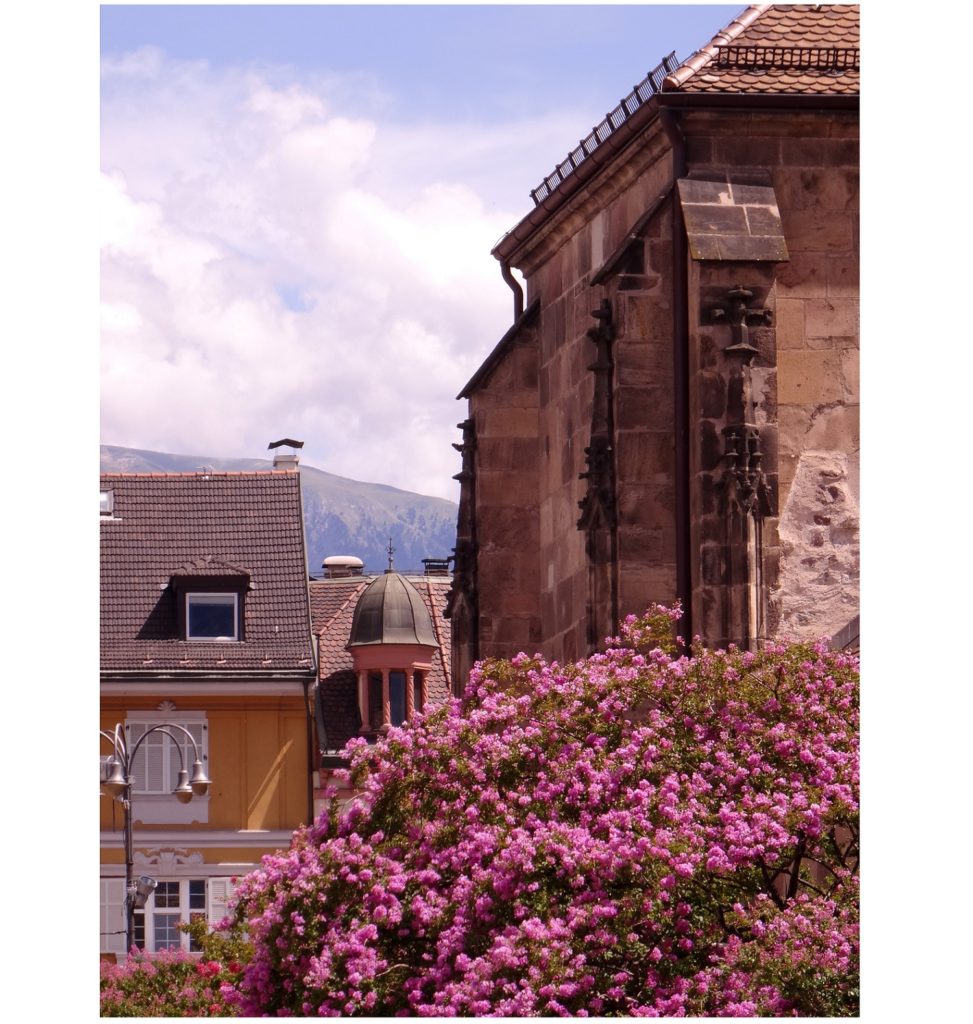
{"x": 639, "y": 95}
{"x": 796, "y": 57}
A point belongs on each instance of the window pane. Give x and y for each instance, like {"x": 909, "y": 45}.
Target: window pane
{"x": 138, "y": 929}
{"x": 197, "y": 893}
{"x": 397, "y": 696}
{"x": 167, "y": 894}
{"x": 211, "y": 615}
{"x": 417, "y": 690}
{"x": 374, "y": 702}
{"x": 167, "y": 934}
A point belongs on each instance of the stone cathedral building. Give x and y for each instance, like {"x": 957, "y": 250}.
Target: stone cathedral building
{"x": 674, "y": 410}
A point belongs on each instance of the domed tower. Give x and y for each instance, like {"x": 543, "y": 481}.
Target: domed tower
{"x": 392, "y": 643}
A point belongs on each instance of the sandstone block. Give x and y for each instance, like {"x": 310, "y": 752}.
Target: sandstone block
{"x": 505, "y": 490}
{"x": 807, "y": 229}
{"x": 641, "y": 457}
{"x": 748, "y": 151}
{"x": 811, "y": 152}
{"x": 636, "y": 545}
{"x": 843, "y": 276}
{"x": 808, "y": 378}
{"x": 647, "y": 318}
{"x": 699, "y": 149}
{"x": 507, "y": 453}
{"x": 804, "y": 276}
{"x": 790, "y": 323}
{"x": 850, "y": 367}
{"x": 642, "y": 362}
{"x": 645, "y": 504}
{"x": 632, "y": 405}
{"x": 831, "y": 318}
{"x": 793, "y": 422}
{"x": 510, "y": 422}
{"x": 640, "y": 585}
{"x": 508, "y": 526}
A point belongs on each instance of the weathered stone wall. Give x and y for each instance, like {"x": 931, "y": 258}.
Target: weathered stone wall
{"x": 504, "y": 411}
{"x": 533, "y": 413}
{"x": 808, "y": 381}
{"x": 817, "y": 382}
{"x": 641, "y": 299}
{"x": 721, "y": 613}
{"x": 644, "y": 411}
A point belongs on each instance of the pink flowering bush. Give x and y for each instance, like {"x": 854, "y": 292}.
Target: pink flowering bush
{"x": 175, "y": 983}
{"x": 642, "y": 833}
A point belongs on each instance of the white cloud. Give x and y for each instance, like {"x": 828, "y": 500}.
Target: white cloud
{"x": 275, "y": 264}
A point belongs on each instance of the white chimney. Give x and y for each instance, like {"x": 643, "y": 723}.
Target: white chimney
{"x": 286, "y": 460}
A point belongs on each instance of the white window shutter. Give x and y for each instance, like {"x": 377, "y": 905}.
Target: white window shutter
{"x": 112, "y": 915}
{"x": 218, "y": 893}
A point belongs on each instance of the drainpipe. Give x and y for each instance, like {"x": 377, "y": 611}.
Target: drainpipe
{"x": 680, "y": 307}
{"x": 515, "y": 288}
{"x": 309, "y": 729}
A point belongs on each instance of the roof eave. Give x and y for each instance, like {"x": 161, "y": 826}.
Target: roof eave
{"x": 513, "y": 239}
{"x": 228, "y": 675}
{"x": 762, "y": 101}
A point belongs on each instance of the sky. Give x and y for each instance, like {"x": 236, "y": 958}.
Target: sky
{"x": 298, "y": 203}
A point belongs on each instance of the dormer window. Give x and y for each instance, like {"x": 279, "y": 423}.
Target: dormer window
{"x": 212, "y": 616}
{"x": 210, "y": 595}
{"x": 107, "y": 502}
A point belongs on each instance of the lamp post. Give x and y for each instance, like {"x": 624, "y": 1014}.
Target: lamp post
{"x": 118, "y": 785}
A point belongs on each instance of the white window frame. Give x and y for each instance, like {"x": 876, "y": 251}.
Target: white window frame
{"x": 154, "y": 803}
{"x": 219, "y": 597}
{"x": 216, "y": 894}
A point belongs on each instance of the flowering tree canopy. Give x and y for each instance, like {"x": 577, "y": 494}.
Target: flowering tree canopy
{"x": 642, "y": 833}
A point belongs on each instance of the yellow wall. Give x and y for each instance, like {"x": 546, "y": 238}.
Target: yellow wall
{"x": 258, "y": 761}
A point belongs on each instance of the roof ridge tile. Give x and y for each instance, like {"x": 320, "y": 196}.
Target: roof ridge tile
{"x": 705, "y": 54}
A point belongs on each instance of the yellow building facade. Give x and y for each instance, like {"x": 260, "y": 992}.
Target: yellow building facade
{"x": 206, "y": 630}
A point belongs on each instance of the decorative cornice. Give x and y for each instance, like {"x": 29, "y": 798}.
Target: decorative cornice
{"x": 191, "y": 839}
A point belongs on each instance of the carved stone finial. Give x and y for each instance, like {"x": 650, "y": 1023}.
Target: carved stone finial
{"x": 739, "y": 315}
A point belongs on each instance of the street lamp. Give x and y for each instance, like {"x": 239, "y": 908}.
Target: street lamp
{"x": 118, "y": 785}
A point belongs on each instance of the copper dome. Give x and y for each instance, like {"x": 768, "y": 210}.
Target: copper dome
{"x": 390, "y": 611}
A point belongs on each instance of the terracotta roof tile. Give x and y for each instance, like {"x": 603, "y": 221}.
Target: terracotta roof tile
{"x": 332, "y": 608}
{"x": 775, "y": 48}
{"x": 203, "y": 525}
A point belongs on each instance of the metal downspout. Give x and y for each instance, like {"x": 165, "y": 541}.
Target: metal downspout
{"x": 680, "y": 306}
{"x": 310, "y": 733}
{"x": 515, "y": 288}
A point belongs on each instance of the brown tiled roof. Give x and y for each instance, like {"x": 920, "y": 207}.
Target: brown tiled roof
{"x": 799, "y": 49}
{"x": 205, "y": 525}
{"x": 332, "y": 609}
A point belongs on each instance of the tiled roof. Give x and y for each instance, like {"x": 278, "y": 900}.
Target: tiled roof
{"x": 205, "y": 525}
{"x": 332, "y": 609}
{"x": 799, "y": 49}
